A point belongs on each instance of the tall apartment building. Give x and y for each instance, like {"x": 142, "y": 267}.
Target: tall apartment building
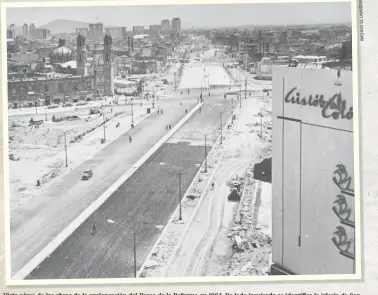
{"x": 116, "y": 32}
{"x": 25, "y": 31}
{"x": 96, "y": 31}
{"x": 176, "y": 25}
{"x": 31, "y": 31}
{"x": 13, "y": 30}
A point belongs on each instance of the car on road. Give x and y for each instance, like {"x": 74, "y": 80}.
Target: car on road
{"x": 53, "y": 106}
{"x": 87, "y": 175}
{"x": 94, "y": 110}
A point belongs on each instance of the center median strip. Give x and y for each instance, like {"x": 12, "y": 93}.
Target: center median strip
{"x": 54, "y": 244}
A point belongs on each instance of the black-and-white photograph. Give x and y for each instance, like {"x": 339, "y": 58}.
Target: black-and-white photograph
{"x": 206, "y": 140}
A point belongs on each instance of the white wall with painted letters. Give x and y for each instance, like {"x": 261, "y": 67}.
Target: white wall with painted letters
{"x": 312, "y": 182}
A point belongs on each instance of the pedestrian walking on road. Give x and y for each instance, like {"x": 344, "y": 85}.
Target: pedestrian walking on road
{"x": 200, "y": 110}
{"x": 212, "y": 186}
{"x": 180, "y": 103}
{"x": 130, "y": 140}
{"x": 188, "y": 91}
{"x": 161, "y": 111}
{"x": 93, "y": 229}
{"x": 170, "y": 127}
{"x": 181, "y": 92}
{"x": 209, "y": 93}
{"x": 186, "y": 111}
{"x": 141, "y": 104}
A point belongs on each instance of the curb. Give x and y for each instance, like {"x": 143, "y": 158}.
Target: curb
{"x": 62, "y": 236}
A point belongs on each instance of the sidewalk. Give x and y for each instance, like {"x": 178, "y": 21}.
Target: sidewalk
{"x": 199, "y": 245}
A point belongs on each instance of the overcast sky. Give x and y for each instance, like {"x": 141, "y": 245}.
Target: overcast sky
{"x": 191, "y": 15}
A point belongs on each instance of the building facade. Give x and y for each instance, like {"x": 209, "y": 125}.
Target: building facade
{"x": 40, "y": 34}
{"x": 116, "y": 32}
{"x": 176, "y": 25}
{"x": 32, "y": 91}
{"x": 165, "y": 26}
{"x": 31, "y": 31}
{"x": 155, "y": 30}
{"x": 25, "y": 31}
{"x": 138, "y": 30}
{"x": 13, "y": 30}
{"x": 96, "y": 31}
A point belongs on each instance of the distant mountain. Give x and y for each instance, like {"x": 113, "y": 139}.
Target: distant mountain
{"x": 64, "y": 26}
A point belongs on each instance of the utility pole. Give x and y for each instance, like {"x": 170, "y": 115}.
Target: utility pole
{"x": 245, "y": 91}
{"x": 103, "y": 116}
{"x": 261, "y": 116}
{"x": 179, "y": 175}
{"x": 135, "y": 266}
{"x": 240, "y": 98}
{"x": 65, "y": 147}
{"x": 132, "y": 112}
{"x": 232, "y": 108}
{"x": 205, "y": 155}
{"x": 201, "y": 90}
{"x": 221, "y": 139}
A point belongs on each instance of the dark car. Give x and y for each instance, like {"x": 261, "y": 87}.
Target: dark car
{"x": 87, "y": 175}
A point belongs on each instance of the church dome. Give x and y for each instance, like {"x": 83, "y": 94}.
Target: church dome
{"x": 64, "y": 50}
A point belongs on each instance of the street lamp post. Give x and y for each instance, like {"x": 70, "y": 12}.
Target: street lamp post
{"x": 261, "y": 123}
{"x": 201, "y": 91}
{"x": 240, "y": 98}
{"x": 103, "y": 116}
{"x": 180, "y": 197}
{"x": 205, "y": 135}
{"x": 245, "y": 91}
{"x": 180, "y": 171}
{"x": 135, "y": 260}
{"x": 134, "y": 240}
{"x": 221, "y": 121}
{"x": 132, "y": 113}
{"x": 65, "y": 148}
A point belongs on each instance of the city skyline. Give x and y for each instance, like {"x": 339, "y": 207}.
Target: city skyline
{"x": 219, "y": 15}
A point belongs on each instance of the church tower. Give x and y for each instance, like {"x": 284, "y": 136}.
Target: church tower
{"x": 108, "y": 65}
{"x": 81, "y": 55}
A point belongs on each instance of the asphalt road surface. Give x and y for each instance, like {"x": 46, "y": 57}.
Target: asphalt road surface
{"x": 34, "y": 225}
{"x": 146, "y": 199}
